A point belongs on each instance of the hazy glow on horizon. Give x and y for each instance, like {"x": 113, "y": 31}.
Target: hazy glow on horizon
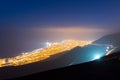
{"x": 80, "y": 33}
{"x": 27, "y": 39}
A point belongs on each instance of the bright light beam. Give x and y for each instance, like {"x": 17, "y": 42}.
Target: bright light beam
{"x": 97, "y": 57}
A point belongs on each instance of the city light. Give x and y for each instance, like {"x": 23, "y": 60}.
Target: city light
{"x": 48, "y": 44}
{"x": 42, "y": 53}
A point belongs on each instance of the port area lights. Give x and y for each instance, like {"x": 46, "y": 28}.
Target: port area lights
{"x": 48, "y": 44}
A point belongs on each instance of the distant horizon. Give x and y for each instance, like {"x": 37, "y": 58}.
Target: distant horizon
{"x": 18, "y": 40}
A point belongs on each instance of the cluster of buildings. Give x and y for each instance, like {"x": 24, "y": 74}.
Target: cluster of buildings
{"x": 42, "y": 54}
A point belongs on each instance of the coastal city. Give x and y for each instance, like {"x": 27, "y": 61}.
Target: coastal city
{"x": 42, "y": 53}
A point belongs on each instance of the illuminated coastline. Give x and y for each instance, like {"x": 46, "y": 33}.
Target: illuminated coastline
{"x": 42, "y": 53}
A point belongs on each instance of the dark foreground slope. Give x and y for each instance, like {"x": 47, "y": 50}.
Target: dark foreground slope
{"x": 101, "y": 69}
{"x": 75, "y": 56}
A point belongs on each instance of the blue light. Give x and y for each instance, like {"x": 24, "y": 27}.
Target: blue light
{"x": 97, "y": 57}
{"x": 107, "y": 47}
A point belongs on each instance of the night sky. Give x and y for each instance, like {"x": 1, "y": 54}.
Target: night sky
{"x": 26, "y": 24}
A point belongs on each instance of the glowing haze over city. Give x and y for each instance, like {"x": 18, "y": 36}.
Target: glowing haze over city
{"x": 32, "y": 31}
